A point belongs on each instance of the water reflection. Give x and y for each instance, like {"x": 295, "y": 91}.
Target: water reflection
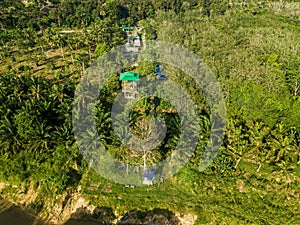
{"x": 14, "y": 216}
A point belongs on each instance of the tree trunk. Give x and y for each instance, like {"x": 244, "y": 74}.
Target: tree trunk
{"x": 237, "y": 162}
{"x": 62, "y": 52}
{"x": 258, "y": 169}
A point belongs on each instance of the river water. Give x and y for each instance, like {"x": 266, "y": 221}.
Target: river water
{"x": 13, "y": 216}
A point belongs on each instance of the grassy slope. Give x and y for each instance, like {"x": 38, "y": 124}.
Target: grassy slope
{"x": 241, "y": 197}
{"x": 245, "y": 196}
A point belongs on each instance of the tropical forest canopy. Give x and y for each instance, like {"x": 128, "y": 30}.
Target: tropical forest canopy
{"x": 253, "y": 49}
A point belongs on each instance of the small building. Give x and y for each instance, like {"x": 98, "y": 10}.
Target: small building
{"x": 148, "y": 177}
{"x": 130, "y": 84}
{"x": 132, "y": 45}
{"x": 126, "y": 29}
{"x": 137, "y": 42}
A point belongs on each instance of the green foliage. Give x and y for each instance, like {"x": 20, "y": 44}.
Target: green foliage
{"x": 101, "y": 49}
{"x": 252, "y": 51}
{"x": 214, "y": 7}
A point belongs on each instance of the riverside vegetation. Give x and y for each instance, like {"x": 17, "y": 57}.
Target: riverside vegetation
{"x": 252, "y": 48}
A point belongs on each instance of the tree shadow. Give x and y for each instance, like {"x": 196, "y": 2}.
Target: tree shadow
{"x": 105, "y": 215}
{"x": 156, "y": 216}
{"x": 100, "y": 215}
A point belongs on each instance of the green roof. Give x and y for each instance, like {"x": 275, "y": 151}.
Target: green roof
{"x": 130, "y": 76}
{"x": 126, "y": 28}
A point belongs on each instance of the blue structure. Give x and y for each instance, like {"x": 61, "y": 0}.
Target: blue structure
{"x": 159, "y": 70}
{"x": 149, "y": 174}
{"x": 148, "y": 177}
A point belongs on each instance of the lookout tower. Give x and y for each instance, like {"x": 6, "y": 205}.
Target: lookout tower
{"x": 130, "y": 84}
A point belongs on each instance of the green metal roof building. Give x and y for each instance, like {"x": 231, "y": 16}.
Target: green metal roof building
{"x": 126, "y": 28}
{"x": 129, "y": 76}
{"x": 129, "y": 84}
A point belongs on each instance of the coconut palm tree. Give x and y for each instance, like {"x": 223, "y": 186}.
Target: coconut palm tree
{"x": 237, "y": 140}
{"x": 258, "y": 134}
{"x": 283, "y": 146}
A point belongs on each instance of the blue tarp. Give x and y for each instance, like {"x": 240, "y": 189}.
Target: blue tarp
{"x": 159, "y": 71}
{"x": 149, "y": 174}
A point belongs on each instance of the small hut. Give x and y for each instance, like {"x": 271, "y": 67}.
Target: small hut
{"x": 148, "y": 177}
{"x": 137, "y": 42}
{"x": 126, "y": 29}
{"x": 130, "y": 84}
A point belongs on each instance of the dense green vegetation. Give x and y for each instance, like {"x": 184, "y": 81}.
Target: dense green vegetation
{"x": 254, "y": 51}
